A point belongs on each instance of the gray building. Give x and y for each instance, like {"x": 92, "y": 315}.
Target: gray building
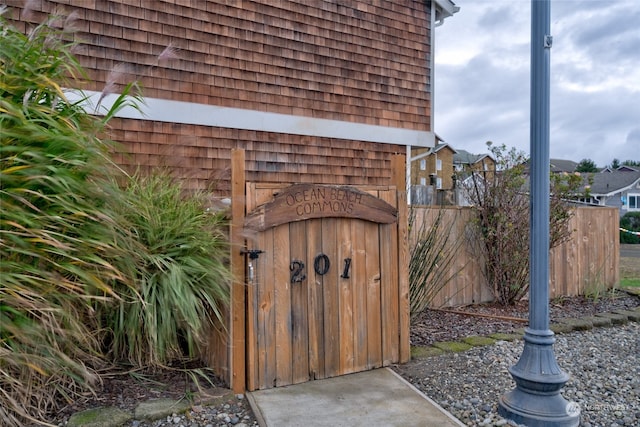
{"x": 617, "y": 188}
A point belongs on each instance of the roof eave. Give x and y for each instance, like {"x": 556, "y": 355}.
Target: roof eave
{"x": 617, "y": 191}
{"x": 444, "y": 9}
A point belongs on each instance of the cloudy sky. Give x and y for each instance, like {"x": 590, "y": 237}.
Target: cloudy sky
{"x": 482, "y": 77}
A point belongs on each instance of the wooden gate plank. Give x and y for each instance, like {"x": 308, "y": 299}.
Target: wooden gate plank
{"x": 372, "y": 283}
{"x": 299, "y": 305}
{"x": 252, "y": 339}
{"x": 266, "y": 319}
{"x": 252, "y": 309}
{"x": 282, "y": 287}
{"x": 345, "y": 285}
{"x": 315, "y": 302}
{"x": 389, "y": 285}
{"x": 358, "y": 274}
{"x": 331, "y": 302}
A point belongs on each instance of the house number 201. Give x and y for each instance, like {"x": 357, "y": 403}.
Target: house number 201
{"x": 321, "y": 265}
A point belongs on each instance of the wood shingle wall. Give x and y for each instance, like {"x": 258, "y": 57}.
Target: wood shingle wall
{"x": 354, "y": 61}
{"x": 202, "y": 154}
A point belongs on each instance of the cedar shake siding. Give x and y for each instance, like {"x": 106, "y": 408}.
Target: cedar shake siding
{"x": 362, "y": 62}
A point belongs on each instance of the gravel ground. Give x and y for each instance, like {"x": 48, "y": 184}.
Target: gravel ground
{"x": 435, "y": 325}
{"x": 236, "y": 411}
{"x": 603, "y": 364}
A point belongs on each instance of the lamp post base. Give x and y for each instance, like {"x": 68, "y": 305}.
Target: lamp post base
{"x": 538, "y": 411}
{"x": 536, "y": 400}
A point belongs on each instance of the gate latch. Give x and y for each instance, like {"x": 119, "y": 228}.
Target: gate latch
{"x": 253, "y": 253}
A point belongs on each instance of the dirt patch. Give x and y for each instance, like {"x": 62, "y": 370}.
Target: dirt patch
{"x": 125, "y": 390}
{"x": 485, "y": 319}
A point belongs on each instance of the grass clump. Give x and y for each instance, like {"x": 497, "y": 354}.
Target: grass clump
{"x": 434, "y": 250}
{"x": 90, "y": 274}
{"x": 54, "y": 228}
{"x": 500, "y": 336}
{"x": 630, "y": 282}
{"x": 418, "y": 352}
{"x": 178, "y": 270}
{"x": 452, "y": 346}
{"x": 478, "y": 341}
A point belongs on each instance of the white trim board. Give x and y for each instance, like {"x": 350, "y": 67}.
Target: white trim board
{"x": 165, "y": 110}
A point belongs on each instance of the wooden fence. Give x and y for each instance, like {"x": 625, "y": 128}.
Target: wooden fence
{"x": 587, "y": 263}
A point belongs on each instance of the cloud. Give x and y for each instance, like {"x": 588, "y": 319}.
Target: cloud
{"x": 482, "y": 78}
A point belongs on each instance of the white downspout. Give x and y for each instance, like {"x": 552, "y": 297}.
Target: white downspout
{"x": 432, "y": 65}
{"x": 408, "y": 175}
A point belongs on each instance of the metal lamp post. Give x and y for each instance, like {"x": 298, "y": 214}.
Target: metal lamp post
{"x": 536, "y": 400}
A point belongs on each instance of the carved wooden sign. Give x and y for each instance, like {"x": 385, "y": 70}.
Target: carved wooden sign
{"x": 308, "y": 201}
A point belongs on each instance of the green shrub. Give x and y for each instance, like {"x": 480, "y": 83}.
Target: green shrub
{"x": 55, "y": 235}
{"x": 178, "y": 264}
{"x": 631, "y": 222}
{"x": 85, "y": 266}
{"x": 502, "y": 223}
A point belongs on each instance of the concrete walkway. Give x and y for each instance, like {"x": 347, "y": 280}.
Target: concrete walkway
{"x": 372, "y": 398}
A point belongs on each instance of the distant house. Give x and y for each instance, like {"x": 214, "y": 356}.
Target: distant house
{"x": 438, "y": 173}
{"x": 465, "y": 166}
{"x": 617, "y": 188}
{"x": 465, "y": 163}
{"x": 433, "y": 166}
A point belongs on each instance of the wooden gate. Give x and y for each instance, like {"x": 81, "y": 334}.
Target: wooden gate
{"x": 324, "y": 292}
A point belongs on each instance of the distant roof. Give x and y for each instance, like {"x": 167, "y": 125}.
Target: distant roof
{"x": 560, "y": 165}
{"x": 611, "y": 182}
{"x": 466, "y": 158}
{"x": 439, "y": 147}
{"x": 431, "y": 151}
{"x": 623, "y": 168}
